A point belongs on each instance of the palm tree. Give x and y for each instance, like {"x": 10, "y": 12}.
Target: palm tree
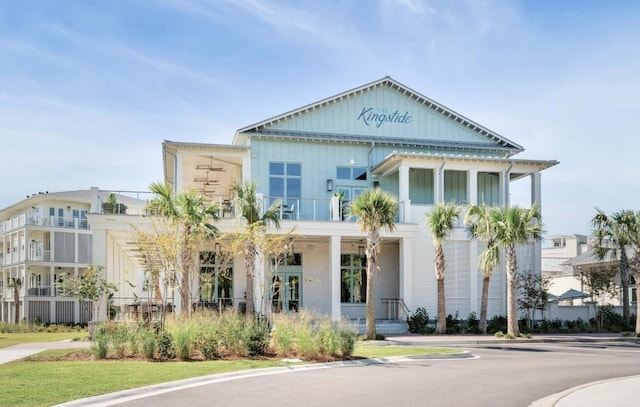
{"x": 16, "y": 284}
{"x": 515, "y": 225}
{"x": 611, "y": 235}
{"x": 250, "y": 209}
{"x": 375, "y": 210}
{"x": 481, "y": 220}
{"x": 192, "y": 216}
{"x": 441, "y": 222}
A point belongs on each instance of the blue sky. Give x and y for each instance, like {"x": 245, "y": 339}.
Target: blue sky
{"x": 90, "y": 89}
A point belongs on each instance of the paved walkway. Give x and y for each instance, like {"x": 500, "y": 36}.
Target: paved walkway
{"x": 615, "y": 392}
{"x": 23, "y": 350}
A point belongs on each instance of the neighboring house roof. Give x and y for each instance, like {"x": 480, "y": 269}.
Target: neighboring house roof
{"x": 588, "y": 260}
{"x": 81, "y": 195}
{"x": 261, "y": 128}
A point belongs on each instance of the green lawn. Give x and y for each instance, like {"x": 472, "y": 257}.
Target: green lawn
{"x": 61, "y": 381}
{"x": 10, "y": 339}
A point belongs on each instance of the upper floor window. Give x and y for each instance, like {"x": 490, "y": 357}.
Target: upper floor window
{"x": 285, "y": 181}
{"x": 352, "y": 173}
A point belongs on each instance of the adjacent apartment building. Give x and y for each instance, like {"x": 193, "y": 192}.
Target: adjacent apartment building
{"x": 316, "y": 159}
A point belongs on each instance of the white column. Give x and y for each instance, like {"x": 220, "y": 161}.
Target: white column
{"x": 536, "y": 186}
{"x": 179, "y": 184}
{"x": 406, "y": 272}
{"x": 438, "y": 183}
{"x": 52, "y": 290}
{"x": 505, "y": 176}
{"x": 474, "y": 303}
{"x": 403, "y": 192}
{"x": 334, "y": 253}
{"x": 536, "y": 196}
{"x": 472, "y": 186}
{"x": 246, "y": 167}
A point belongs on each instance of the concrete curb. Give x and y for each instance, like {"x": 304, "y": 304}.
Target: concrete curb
{"x": 561, "y": 398}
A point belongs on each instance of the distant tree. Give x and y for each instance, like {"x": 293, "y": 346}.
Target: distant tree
{"x": 375, "y": 210}
{"x": 534, "y": 295}
{"x": 90, "y": 285}
{"x": 441, "y": 222}
{"x": 16, "y": 284}
{"x": 600, "y": 285}
{"x": 516, "y": 225}
{"x": 611, "y": 236}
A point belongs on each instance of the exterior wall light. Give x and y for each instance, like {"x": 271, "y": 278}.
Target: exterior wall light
{"x": 329, "y": 184}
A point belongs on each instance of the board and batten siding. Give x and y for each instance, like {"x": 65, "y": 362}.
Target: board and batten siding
{"x": 345, "y": 117}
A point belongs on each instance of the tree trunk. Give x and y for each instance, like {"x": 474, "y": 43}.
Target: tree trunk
{"x": 441, "y": 324}
{"x": 370, "y": 324}
{"x": 249, "y": 265}
{"x": 439, "y": 262}
{"x": 16, "y": 302}
{"x": 484, "y": 304}
{"x": 512, "y": 292}
{"x": 624, "y": 282}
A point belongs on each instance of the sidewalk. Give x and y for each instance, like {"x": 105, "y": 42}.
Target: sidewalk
{"x": 23, "y": 350}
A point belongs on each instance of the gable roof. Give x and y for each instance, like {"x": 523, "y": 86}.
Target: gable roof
{"x": 388, "y": 82}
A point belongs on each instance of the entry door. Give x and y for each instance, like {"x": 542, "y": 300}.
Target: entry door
{"x": 286, "y": 291}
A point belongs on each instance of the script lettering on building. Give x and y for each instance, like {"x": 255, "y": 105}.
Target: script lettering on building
{"x": 379, "y": 116}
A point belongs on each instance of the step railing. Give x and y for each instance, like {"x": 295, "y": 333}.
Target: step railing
{"x": 395, "y": 308}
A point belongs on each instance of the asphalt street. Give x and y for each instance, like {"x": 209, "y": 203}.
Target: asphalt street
{"x": 509, "y": 375}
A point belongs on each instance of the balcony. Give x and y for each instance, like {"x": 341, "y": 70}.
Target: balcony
{"x": 45, "y": 221}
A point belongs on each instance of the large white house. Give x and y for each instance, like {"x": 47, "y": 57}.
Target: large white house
{"x": 319, "y": 157}
{"x": 45, "y": 238}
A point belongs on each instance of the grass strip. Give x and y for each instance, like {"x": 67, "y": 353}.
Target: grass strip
{"x": 58, "y": 382}
{"x": 374, "y": 351}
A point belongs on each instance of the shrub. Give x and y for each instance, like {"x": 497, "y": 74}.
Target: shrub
{"x": 472, "y": 324}
{"x": 347, "y": 342}
{"x": 209, "y": 346}
{"x": 329, "y": 339}
{"x": 283, "y": 336}
{"x": 182, "y": 343}
{"x": 165, "y": 345}
{"x": 149, "y": 342}
{"x": 119, "y": 339}
{"x": 453, "y": 324}
{"x": 306, "y": 343}
{"x": 497, "y": 324}
{"x": 100, "y": 342}
{"x": 418, "y": 321}
{"x": 256, "y": 337}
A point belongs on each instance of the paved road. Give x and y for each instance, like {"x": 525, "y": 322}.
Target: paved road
{"x": 507, "y": 375}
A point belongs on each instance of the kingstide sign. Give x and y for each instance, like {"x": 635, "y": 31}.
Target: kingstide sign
{"x": 378, "y": 116}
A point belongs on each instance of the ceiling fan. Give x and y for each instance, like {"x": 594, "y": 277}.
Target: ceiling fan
{"x": 210, "y": 166}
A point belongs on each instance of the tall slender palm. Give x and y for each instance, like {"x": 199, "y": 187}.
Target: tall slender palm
{"x": 611, "y": 236}
{"x": 193, "y": 216}
{"x": 480, "y": 221}
{"x": 250, "y": 208}
{"x": 375, "y": 210}
{"x": 441, "y": 222}
{"x": 515, "y": 225}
